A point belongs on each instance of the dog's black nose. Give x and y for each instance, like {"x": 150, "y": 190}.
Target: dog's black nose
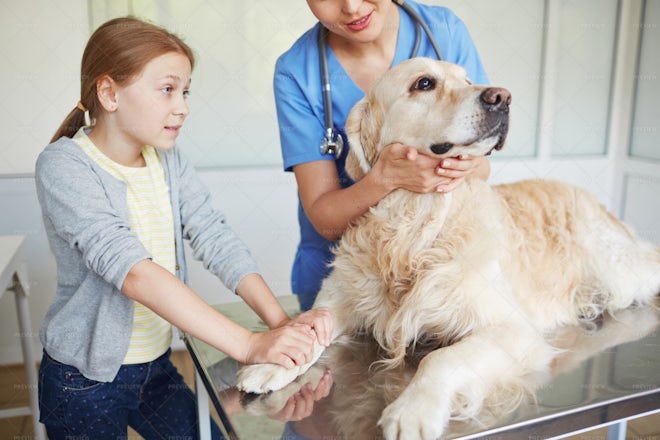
{"x": 441, "y": 148}
{"x": 496, "y": 99}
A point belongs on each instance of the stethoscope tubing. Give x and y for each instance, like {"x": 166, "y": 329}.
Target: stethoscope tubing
{"x": 325, "y": 77}
{"x": 419, "y": 22}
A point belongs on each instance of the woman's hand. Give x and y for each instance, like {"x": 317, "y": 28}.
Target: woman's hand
{"x": 456, "y": 169}
{"x": 405, "y": 167}
{"x": 401, "y": 166}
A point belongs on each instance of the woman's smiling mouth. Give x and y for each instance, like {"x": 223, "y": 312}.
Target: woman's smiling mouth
{"x": 360, "y": 24}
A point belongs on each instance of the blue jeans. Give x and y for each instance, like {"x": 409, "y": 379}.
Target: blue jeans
{"x": 151, "y": 398}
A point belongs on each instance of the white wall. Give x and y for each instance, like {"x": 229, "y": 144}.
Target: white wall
{"x": 41, "y": 42}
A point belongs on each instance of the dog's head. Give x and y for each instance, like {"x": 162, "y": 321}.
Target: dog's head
{"x": 430, "y": 105}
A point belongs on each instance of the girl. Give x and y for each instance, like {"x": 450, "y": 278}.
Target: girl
{"x": 364, "y": 39}
{"x": 118, "y": 200}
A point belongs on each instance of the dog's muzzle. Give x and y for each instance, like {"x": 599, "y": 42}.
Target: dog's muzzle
{"x": 493, "y": 122}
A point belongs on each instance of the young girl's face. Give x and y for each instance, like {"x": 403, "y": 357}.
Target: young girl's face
{"x": 358, "y": 21}
{"x": 152, "y": 108}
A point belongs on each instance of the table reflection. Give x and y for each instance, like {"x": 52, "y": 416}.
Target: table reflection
{"x": 598, "y": 376}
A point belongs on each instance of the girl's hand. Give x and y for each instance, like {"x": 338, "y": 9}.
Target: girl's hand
{"x": 289, "y": 345}
{"x": 319, "y": 319}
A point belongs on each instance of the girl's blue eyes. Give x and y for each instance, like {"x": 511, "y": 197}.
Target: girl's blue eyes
{"x": 168, "y": 90}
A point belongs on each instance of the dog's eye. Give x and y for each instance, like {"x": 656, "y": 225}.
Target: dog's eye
{"x": 424, "y": 83}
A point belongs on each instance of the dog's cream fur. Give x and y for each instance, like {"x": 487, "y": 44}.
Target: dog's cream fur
{"x": 483, "y": 272}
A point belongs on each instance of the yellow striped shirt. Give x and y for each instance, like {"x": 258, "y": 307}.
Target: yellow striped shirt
{"x": 150, "y": 217}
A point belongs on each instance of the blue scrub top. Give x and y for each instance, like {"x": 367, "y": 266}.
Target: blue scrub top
{"x": 299, "y": 102}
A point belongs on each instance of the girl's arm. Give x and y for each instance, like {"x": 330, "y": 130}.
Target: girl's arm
{"x": 225, "y": 255}
{"x": 331, "y": 209}
{"x": 256, "y": 293}
{"x": 159, "y": 290}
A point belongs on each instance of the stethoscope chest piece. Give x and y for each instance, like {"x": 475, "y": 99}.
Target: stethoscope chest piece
{"x": 332, "y": 143}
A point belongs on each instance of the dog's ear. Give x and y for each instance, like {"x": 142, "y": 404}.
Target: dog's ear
{"x": 363, "y": 133}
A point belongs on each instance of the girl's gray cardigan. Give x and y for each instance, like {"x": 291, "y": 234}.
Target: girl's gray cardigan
{"x": 86, "y": 218}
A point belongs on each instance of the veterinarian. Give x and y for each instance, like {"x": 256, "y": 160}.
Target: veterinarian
{"x": 361, "y": 40}
{"x": 118, "y": 200}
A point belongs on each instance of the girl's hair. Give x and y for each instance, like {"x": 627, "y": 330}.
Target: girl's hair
{"x": 119, "y": 48}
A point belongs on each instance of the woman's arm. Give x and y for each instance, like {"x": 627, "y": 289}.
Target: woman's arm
{"x": 331, "y": 209}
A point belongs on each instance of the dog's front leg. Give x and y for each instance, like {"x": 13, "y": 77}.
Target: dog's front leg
{"x": 263, "y": 378}
{"x": 464, "y": 372}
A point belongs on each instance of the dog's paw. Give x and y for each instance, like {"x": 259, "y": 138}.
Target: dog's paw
{"x": 263, "y": 378}
{"x": 414, "y": 416}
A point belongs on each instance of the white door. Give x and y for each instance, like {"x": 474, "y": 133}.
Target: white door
{"x": 640, "y": 170}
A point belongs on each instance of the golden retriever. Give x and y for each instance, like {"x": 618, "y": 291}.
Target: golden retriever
{"x": 482, "y": 273}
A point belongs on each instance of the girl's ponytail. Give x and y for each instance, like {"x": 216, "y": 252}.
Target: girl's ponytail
{"x": 77, "y": 118}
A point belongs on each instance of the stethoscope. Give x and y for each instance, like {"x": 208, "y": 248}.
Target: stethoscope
{"x": 332, "y": 143}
